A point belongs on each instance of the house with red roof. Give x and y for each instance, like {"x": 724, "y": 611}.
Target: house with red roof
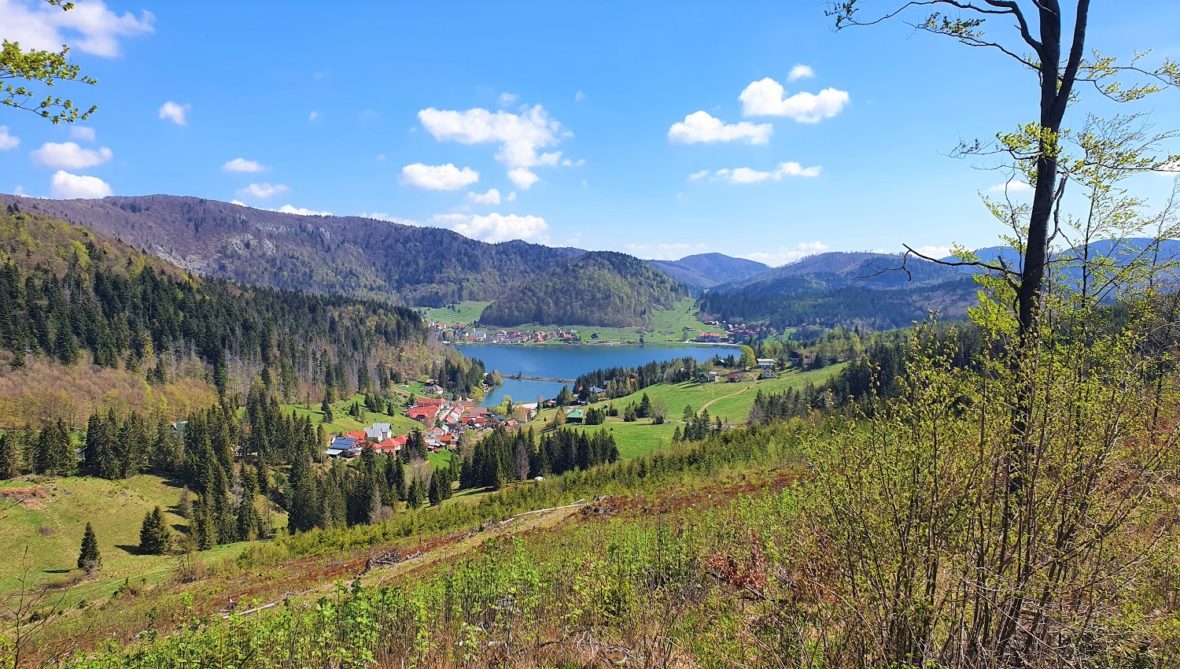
{"x": 423, "y": 414}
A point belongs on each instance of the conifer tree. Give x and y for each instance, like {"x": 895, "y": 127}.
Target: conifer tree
{"x": 53, "y": 453}
{"x": 326, "y": 409}
{"x": 10, "y": 455}
{"x": 154, "y": 534}
{"x": 89, "y": 558}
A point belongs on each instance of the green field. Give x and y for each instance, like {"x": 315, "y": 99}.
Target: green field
{"x": 462, "y": 313}
{"x": 729, "y": 401}
{"x": 345, "y": 423}
{"x": 667, "y": 327}
{"x": 47, "y": 517}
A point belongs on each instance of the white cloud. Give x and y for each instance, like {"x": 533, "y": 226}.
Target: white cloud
{"x": 934, "y": 251}
{"x": 511, "y": 197}
{"x": 175, "y": 112}
{"x": 522, "y": 178}
{"x": 665, "y": 251}
{"x": 83, "y": 133}
{"x": 66, "y": 185}
{"x": 89, "y": 26}
{"x": 507, "y": 99}
{"x": 747, "y": 175}
{"x": 788, "y": 254}
{"x": 239, "y": 203}
{"x": 1012, "y": 187}
{"x": 766, "y": 98}
{"x": 438, "y": 177}
{"x": 380, "y": 157}
{"x": 300, "y": 211}
{"x": 69, "y": 155}
{"x": 313, "y": 116}
{"x": 262, "y": 191}
{"x": 521, "y": 137}
{"x": 8, "y": 141}
{"x": 495, "y": 227}
{"x": 490, "y": 197}
{"x": 700, "y": 126}
{"x": 243, "y": 165}
{"x": 800, "y": 71}
{"x": 579, "y": 96}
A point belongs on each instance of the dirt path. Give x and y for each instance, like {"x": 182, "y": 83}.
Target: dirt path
{"x": 724, "y": 397}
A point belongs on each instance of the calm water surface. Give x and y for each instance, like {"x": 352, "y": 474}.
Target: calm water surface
{"x": 567, "y": 363}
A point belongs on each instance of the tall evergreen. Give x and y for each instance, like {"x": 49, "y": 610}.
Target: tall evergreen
{"x": 154, "y": 534}
{"x": 89, "y": 558}
{"x": 10, "y": 455}
{"x": 53, "y": 453}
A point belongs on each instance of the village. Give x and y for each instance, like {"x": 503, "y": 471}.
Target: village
{"x": 442, "y": 422}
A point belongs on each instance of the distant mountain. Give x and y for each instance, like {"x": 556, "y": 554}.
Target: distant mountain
{"x": 343, "y": 255}
{"x": 706, "y": 270}
{"x": 869, "y": 289}
{"x": 873, "y": 289}
{"x": 598, "y": 288}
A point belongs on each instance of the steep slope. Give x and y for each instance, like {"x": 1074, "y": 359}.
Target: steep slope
{"x": 599, "y": 288}
{"x": 82, "y": 315}
{"x": 349, "y": 255}
{"x": 706, "y": 270}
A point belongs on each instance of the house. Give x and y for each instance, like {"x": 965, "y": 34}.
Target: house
{"x": 596, "y": 390}
{"x": 379, "y": 432}
{"x": 734, "y": 377}
{"x": 767, "y": 363}
{"x": 434, "y": 389}
{"x": 358, "y": 436}
{"x": 575, "y": 416}
{"x": 713, "y": 376}
{"x": 392, "y": 445}
{"x": 423, "y": 414}
{"x": 430, "y": 401}
{"x": 768, "y": 373}
{"x": 343, "y": 447}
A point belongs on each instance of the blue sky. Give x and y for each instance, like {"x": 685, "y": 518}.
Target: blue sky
{"x": 657, "y": 129}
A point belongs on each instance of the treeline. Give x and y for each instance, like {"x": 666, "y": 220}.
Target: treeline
{"x": 138, "y": 316}
{"x": 599, "y": 288}
{"x": 877, "y": 373}
{"x": 793, "y": 303}
{"x": 621, "y": 381}
{"x": 505, "y": 456}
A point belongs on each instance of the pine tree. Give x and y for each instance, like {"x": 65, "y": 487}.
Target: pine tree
{"x": 54, "y": 453}
{"x": 89, "y": 558}
{"x": 184, "y": 506}
{"x": 10, "y": 455}
{"x": 416, "y": 494}
{"x": 154, "y": 535}
{"x": 326, "y": 409}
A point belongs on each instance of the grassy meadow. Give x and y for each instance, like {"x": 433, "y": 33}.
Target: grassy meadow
{"x": 729, "y": 401}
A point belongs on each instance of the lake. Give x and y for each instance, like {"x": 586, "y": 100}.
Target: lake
{"x": 567, "y": 362}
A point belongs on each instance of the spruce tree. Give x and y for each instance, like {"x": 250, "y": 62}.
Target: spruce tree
{"x": 89, "y": 558}
{"x": 10, "y": 456}
{"x": 416, "y": 494}
{"x": 154, "y": 535}
{"x": 326, "y": 409}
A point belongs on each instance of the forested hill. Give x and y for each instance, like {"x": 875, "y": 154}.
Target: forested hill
{"x": 75, "y": 307}
{"x": 705, "y": 270}
{"x": 869, "y": 289}
{"x": 599, "y": 288}
{"x": 352, "y": 256}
